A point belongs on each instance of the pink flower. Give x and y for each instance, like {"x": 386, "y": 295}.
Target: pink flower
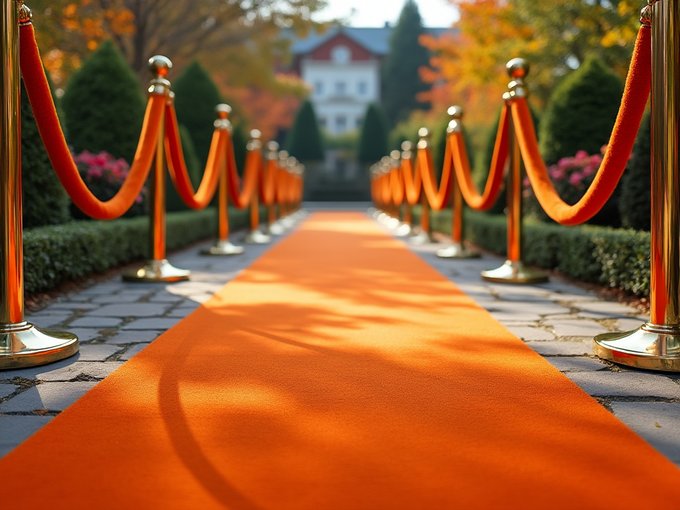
{"x": 581, "y": 155}
{"x": 575, "y": 179}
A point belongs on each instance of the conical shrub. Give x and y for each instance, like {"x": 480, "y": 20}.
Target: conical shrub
{"x": 304, "y": 140}
{"x": 103, "y": 105}
{"x": 373, "y": 138}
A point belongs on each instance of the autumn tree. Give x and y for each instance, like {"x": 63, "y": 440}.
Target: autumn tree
{"x": 401, "y": 79}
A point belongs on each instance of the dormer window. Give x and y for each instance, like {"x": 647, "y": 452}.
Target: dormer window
{"x": 341, "y": 54}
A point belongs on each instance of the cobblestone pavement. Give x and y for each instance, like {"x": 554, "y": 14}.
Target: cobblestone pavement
{"x": 115, "y": 320}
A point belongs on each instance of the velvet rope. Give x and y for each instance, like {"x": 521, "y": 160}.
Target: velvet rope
{"x": 178, "y": 169}
{"x": 268, "y": 182}
{"x": 438, "y": 198}
{"x": 621, "y": 143}
{"x": 461, "y": 165}
{"x": 413, "y": 181}
{"x": 242, "y": 197}
{"x": 60, "y": 156}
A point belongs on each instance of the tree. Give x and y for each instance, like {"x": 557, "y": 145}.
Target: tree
{"x": 224, "y": 30}
{"x": 196, "y": 97}
{"x": 401, "y": 79}
{"x": 304, "y": 140}
{"x": 373, "y": 139}
{"x": 44, "y": 200}
{"x": 103, "y": 105}
{"x": 581, "y": 112}
{"x": 635, "y": 200}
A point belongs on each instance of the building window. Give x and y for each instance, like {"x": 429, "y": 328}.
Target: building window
{"x": 340, "y": 122}
{"x": 362, "y": 88}
{"x": 341, "y": 54}
{"x": 340, "y": 88}
{"x": 318, "y": 88}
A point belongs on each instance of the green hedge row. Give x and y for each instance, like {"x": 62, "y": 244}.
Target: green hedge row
{"x": 61, "y": 253}
{"x": 617, "y": 258}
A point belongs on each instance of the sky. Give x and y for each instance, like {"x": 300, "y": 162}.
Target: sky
{"x": 374, "y": 13}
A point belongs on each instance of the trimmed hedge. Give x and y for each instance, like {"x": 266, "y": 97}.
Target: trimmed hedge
{"x": 616, "y": 258}
{"x": 57, "y": 254}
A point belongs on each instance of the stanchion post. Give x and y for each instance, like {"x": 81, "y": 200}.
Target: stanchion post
{"x": 656, "y": 345}
{"x": 273, "y": 226}
{"x": 223, "y": 246}
{"x": 21, "y": 343}
{"x": 514, "y": 270}
{"x": 424, "y": 235}
{"x": 407, "y": 211}
{"x": 255, "y": 235}
{"x": 158, "y": 269}
{"x": 457, "y": 249}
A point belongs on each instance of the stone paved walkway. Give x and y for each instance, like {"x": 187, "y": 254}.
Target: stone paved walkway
{"x": 115, "y": 320}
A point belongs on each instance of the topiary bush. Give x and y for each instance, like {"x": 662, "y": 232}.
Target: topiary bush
{"x": 173, "y": 202}
{"x": 304, "y": 140}
{"x": 196, "y": 97}
{"x": 103, "y": 105}
{"x": 581, "y": 112}
{"x": 373, "y": 138}
{"x": 635, "y": 200}
{"x": 44, "y": 200}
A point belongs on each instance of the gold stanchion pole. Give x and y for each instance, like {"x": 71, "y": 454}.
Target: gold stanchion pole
{"x": 256, "y": 236}
{"x": 513, "y": 270}
{"x": 21, "y": 343}
{"x": 401, "y": 229}
{"x": 457, "y": 249}
{"x": 158, "y": 269}
{"x": 274, "y": 228}
{"x": 656, "y": 345}
{"x": 424, "y": 234}
{"x": 223, "y": 247}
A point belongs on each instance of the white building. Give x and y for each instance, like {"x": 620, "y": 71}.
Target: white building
{"x": 342, "y": 68}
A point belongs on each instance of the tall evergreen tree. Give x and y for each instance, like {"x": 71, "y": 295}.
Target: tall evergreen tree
{"x": 44, "y": 200}
{"x": 196, "y": 96}
{"x": 401, "y": 81}
{"x": 304, "y": 140}
{"x": 373, "y": 139}
{"x": 103, "y": 105}
{"x": 581, "y": 112}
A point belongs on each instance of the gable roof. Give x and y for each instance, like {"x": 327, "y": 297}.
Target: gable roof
{"x": 374, "y": 39}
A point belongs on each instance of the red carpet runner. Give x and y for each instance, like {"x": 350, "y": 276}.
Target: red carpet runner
{"x": 338, "y": 372}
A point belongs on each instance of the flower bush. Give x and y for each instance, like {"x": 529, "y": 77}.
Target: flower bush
{"x": 571, "y": 177}
{"x": 104, "y": 175}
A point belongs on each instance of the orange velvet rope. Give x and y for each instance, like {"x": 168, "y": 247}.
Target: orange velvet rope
{"x": 615, "y": 160}
{"x": 413, "y": 181}
{"x": 268, "y": 182}
{"x": 178, "y": 169}
{"x": 461, "y": 165}
{"x": 438, "y": 198}
{"x": 242, "y": 197}
{"x": 60, "y": 156}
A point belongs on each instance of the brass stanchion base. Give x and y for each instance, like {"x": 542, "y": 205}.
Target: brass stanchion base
{"x": 157, "y": 271}
{"x": 457, "y": 251}
{"x": 257, "y": 237}
{"x": 514, "y": 272}
{"x": 422, "y": 237}
{"x": 222, "y": 249}
{"x": 650, "y": 347}
{"x": 403, "y": 230}
{"x": 23, "y": 345}
{"x": 275, "y": 229}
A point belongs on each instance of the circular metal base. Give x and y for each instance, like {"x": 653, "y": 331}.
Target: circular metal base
{"x": 422, "y": 238}
{"x": 275, "y": 229}
{"x": 650, "y": 347}
{"x": 157, "y": 271}
{"x": 514, "y": 272}
{"x": 223, "y": 249}
{"x": 23, "y": 345}
{"x": 257, "y": 237}
{"x": 402, "y": 230}
{"x": 457, "y": 251}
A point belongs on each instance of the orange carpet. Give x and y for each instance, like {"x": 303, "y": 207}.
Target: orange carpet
{"x": 338, "y": 372}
